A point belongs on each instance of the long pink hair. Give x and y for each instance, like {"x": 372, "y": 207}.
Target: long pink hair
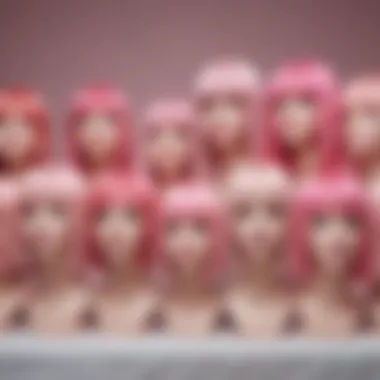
{"x": 111, "y": 102}
{"x": 132, "y": 191}
{"x": 31, "y": 106}
{"x": 331, "y": 194}
{"x": 230, "y": 77}
{"x": 310, "y": 80}
{"x": 176, "y": 114}
{"x": 59, "y": 183}
{"x": 200, "y": 201}
{"x": 361, "y": 93}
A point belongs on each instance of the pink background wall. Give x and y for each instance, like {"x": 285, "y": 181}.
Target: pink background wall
{"x": 153, "y": 47}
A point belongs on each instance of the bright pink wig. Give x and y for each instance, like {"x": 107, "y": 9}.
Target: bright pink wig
{"x": 198, "y": 201}
{"x": 307, "y": 80}
{"x": 175, "y": 114}
{"x": 326, "y": 195}
{"x": 133, "y": 191}
{"x": 230, "y": 78}
{"x": 29, "y": 105}
{"x": 105, "y": 100}
{"x": 55, "y": 183}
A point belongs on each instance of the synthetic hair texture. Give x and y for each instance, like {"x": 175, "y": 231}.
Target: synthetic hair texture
{"x": 230, "y": 77}
{"x": 270, "y": 179}
{"x": 174, "y": 114}
{"x": 313, "y": 81}
{"x": 59, "y": 183}
{"x": 198, "y": 201}
{"x": 111, "y": 102}
{"x": 29, "y": 105}
{"x": 12, "y": 260}
{"x": 259, "y": 173}
{"x": 133, "y": 191}
{"x": 327, "y": 195}
{"x": 362, "y": 93}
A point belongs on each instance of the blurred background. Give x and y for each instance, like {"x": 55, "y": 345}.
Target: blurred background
{"x": 150, "y": 47}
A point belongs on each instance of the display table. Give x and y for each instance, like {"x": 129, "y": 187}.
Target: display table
{"x": 93, "y": 358}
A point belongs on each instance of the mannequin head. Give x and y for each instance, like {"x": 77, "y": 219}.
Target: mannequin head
{"x": 258, "y": 199}
{"x": 12, "y": 261}
{"x": 123, "y": 215}
{"x": 225, "y": 94}
{"x": 99, "y": 130}
{"x": 25, "y": 131}
{"x": 300, "y": 114}
{"x": 194, "y": 235}
{"x": 52, "y": 218}
{"x": 332, "y": 230}
{"x": 362, "y": 120}
{"x": 171, "y": 141}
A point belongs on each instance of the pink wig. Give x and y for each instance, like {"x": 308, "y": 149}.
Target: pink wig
{"x": 12, "y": 261}
{"x": 200, "y": 202}
{"x": 308, "y": 80}
{"x": 175, "y": 114}
{"x": 112, "y": 103}
{"x": 230, "y": 78}
{"x": 124, "y": 191}
{"x": 55, "y": 183}
{"x": 328, "y": 195}
{"x": 362, "y": 93}
{"x": 29, "y": 105}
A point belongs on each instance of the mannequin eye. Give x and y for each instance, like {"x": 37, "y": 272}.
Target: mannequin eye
{"x": 131, "y": 215}
{"x": 58, "y": 209}
{"x": 201, "y": 225}
{"x": 27, "y": 210}
{"x": 172, "y": 226}
{"x": 276, "y": 209}
{"x": 241, "y": 210}
{"x": 237, "y": 101}
{"x": 352, "y": 221}
{"x": 205, "y": 103}
{"x": 319, "y": 220}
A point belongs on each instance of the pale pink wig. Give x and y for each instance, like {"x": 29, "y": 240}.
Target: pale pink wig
{"x": 58, "y": 183}
{"x": 108, "y": 101}
{"x": 199, "y": 201}
{"x": 309, "y": 80}
{"x": 229, "y": 78}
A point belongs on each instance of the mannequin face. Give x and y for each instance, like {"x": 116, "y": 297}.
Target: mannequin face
{"x": 222, "y": 118}
{"x": 17, "y": 139}
{"x": 295, "y": 119}
{"x": 188, "y": 244}
{"x": 258, "y": 208}
{"x": 363, "y": 133}
{"x": 334, "y": 242}
{"x": 45, "y": 226}
{"x": 118, "y": 234}
{"x": 98, "y": 136}
{"x": 168, "y": 151}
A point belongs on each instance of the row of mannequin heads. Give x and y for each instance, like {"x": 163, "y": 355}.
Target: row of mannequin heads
{"x": 257, "y": 247}
{"x": 249, "y": 200}
{"x": 302, "y": 117}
